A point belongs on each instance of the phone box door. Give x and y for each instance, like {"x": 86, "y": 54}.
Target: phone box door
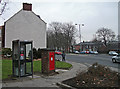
{"x": 51, "y": 61}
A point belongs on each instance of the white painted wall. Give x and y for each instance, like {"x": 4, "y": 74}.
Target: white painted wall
{"x": 25, "y": 25}
{"x": 0, "y": 40}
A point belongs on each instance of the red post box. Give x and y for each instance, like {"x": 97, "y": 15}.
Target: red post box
{"x": 51, "y": 61}
{"x": 48, "y": 61}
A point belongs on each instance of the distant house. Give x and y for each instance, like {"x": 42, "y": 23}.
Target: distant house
{"x": 24, "y": 25}
{"x": 97, "y": 46}
{"x": 113, "y": 46}
{"x": 87, "y": 46}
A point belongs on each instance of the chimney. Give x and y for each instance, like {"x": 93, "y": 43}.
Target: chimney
{"x": 27, "y": 6}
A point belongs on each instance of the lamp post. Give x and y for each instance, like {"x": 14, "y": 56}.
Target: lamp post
{"x": 80, "y": 32}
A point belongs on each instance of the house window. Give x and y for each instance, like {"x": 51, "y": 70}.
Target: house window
{"x": 87, "y": 46}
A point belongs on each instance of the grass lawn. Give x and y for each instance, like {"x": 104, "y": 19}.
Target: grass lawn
{"x": 7, "y": 67}
{"x": 64, "y": 65}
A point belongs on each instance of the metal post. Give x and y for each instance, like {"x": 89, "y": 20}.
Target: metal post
{"x": 80, "y": 33}
{"x": 80, "y": 37}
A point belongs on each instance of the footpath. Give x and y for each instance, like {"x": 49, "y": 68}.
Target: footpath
{"x": 46, "y": 81}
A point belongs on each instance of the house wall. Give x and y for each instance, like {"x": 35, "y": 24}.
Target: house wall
{"x": 77, "y": 47}
{"x": 1, "y": 29}
{"x": 0, "y": 36}
{"x": 86, "y": 47}
{"x": 25, "y": 25}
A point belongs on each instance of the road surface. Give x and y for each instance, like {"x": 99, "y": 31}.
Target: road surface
{"x": 89, "y": 59}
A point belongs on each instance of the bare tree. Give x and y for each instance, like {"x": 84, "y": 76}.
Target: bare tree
{"x": 3, "y": 4}
{"x": 69, "y": 34}
{"x": 50, "y": 39}
{"x": 94, "y": 40}
{"x": 55, "y": 28}
{"x": 118, "y": 37}
{"x": 105, "y": 35}
{"x": 60, "y": 35}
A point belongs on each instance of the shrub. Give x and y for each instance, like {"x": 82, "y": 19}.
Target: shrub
{"x": 39, "y": 53}
{"x": 35, "y": 53}
{"x": 6, "y": 52}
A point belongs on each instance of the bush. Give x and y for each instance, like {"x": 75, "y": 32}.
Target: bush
{"x": 6, "y": 52}
{"x": 35, "y": 53}
{"x": 39, "y": 53}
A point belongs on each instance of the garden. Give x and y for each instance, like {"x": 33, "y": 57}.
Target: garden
{"x": 96, "y": 76}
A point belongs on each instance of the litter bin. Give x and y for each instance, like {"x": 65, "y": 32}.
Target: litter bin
{"x": 48, "y": 61}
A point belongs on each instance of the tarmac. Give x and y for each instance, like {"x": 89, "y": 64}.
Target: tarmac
{"x": 47, "y": 81}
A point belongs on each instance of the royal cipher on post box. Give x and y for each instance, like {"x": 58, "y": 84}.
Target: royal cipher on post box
{"x": 48, "y": 61}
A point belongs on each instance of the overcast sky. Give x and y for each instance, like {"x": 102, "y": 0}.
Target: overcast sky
{"x": 93, "y": 14}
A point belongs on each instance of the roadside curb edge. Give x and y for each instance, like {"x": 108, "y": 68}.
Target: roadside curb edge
{"x": 64, "y": 85}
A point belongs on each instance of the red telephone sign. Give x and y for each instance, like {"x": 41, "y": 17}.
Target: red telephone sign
{"x": 21, "y": 54}
{"x": 51, "y": 61}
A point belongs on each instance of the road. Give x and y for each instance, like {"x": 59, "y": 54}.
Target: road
{"x": 89, "y": 59}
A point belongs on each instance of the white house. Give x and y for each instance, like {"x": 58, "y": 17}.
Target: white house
{"x": 0, "y": 36}
{"x": 25, "y": 25}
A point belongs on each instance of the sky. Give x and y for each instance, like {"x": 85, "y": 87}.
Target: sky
{"x": 93, "y": 14}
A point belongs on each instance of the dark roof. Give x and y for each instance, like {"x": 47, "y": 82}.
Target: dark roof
{"x": 114, "y": 42}
{"x": 89, "y": 43}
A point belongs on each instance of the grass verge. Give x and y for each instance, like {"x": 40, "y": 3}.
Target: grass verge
{"x": 62, "y": 65}
{"x": 7, "y": 67}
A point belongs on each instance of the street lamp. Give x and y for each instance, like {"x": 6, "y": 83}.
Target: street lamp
{"x": 80, "y": 32}
{"x": 80, "y": 29}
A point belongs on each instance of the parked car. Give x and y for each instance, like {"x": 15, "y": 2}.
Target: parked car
{"x": 58, "y": 52}
{"x": 95, "y": 52}
{"x": 91, "y": 52}
{"x": 83, "y": 52}
{"x": 116, "y": 58}
{"x": 113, "y": 53}
{"x": 87, "y": 52}
{"x": 77, "y": 52}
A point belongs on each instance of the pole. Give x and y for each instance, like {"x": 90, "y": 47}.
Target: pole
{"x": 80, "y": 37}
{"x": 80, "y": 32}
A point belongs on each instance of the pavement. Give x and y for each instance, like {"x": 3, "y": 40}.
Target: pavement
{"x": 47, "y": 81}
